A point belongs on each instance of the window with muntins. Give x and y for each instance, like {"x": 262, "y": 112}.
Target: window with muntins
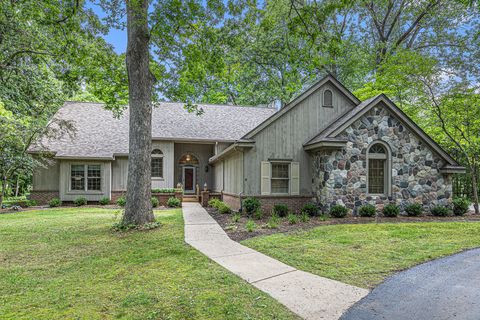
{"x": 280, "y": 178}
{"x": 327, "y": 98}
{"x": 157, "y": 163}
{"x": 85, "y": 177}
{"x": 377, "y": 169}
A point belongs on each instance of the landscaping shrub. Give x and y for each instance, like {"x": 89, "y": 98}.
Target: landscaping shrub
{"x": 251, "y": 205}
{"x": 164, "y": 190}
{"x": 281, "y": 210}
{"x": 223, "y": 208}
{"x": 121, "y": 201}
{"x": 31, "y": 203}
{"x": 258, "y": 214}
{"x": 304, "y": 216}
{"x": 311, "y": 209}
{"x": 80, "y": 201}
{"x": 104, "y": 201}
{"x": 292, "y": 218}
{"x": 173, "y": 202}
{"x": 367, "y": 210}
{"x": 236, "y": 217}
{"x": 250, "y": 226}
{"x": 391, "y": 210}
{"x": 273, "y": 222}
{"x": 414, "y": 209}
{"x": 155, "y": 202}
{"x": 214, "y": 202}
{"x": 439, "y": 211}
{"x": 338, "y": 211}
{"x": 55, "y": 202}
{"x": 460, "y": 206}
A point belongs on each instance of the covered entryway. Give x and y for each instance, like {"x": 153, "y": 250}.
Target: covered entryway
{"x": 188, "y": 179}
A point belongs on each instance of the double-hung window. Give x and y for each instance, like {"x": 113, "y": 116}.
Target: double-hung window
{"x": 85, "y": 177}
{"x": 280, "y": 179}
{"x": 157, "y": 163}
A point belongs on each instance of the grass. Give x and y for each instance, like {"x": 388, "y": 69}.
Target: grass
{"x": 364, "y": 255}
{"x": 68, "y": 264}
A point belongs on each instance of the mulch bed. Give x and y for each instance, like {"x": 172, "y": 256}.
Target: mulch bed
{"x": 67, "y": 205}
{"x": 236, "y": 230}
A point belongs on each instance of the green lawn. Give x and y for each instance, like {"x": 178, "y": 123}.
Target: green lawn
{"x": 364, "y": 255}
{"x": 67, "y": 264}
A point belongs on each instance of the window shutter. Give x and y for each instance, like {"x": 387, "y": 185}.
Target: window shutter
{"x": 265, "y": 174}
{"x": 295, "y": 178}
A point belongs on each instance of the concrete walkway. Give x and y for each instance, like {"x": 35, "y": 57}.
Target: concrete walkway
{"x": 308, "y": 295}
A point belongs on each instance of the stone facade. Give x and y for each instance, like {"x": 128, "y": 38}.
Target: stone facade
{"x": 340, "y": 176}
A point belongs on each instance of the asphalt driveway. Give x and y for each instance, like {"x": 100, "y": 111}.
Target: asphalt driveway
{"x": 447, "y": 288}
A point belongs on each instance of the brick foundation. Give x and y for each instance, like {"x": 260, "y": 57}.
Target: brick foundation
{"x": 294, "y": 203}
{"x": 43, "y": 197}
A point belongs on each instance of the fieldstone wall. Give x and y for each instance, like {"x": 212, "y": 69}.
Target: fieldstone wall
{"x": 340, "y": 176}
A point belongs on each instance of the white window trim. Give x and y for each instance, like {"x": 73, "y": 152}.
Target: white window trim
{"x": 289, "y": 177}
{"x": 159, "y": 156}
{"x": 85, "y": 175}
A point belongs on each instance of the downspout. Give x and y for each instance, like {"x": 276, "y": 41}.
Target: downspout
{"x": 243, "y": 181}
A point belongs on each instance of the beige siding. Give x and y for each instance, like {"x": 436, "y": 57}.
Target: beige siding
{"x": 233, "y": 173}
{"x": 119, "y": 174}
{"x": 220, "y": 146}
{"x": 204, "y": 172}
{"x": 168, "y": 180}
{"x": 46, "y": 179}
{"x": 68, "y": 195}
{"x": 284, "y": 138}
{"x": 218, "y": 176}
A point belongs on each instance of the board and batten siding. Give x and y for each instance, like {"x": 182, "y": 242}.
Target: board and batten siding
{"x": 203, "y": 152}
{"x": 69, "y": 195}
{"x": 283, "y": 139}
{"x": 218, "y": 176}
{"x": 46, "y": 178}
{"x": 233, "y": 173}
{"x": 120, "y": 168}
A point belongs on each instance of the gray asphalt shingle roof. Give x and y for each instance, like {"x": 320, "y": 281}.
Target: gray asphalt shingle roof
{"x": 99, "y": 134}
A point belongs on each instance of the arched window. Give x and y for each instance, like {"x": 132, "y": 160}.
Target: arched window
{"x": 378, "y": 169}
{"x": 188, "y": 159}
{"x": 157, "y": 163}
{"x": 327, "y": 98}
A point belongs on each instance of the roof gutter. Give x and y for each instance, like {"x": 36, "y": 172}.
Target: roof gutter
{"x": 239, "y": 145}
{"x": 325, "y": 144}
{"x": 453, "y": 169}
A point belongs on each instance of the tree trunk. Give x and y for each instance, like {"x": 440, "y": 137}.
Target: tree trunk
{"x": 17, "y": 187}
{"x": 4, "y": 188}
{"x": 138, "y": 208}
{"x": 475, "y": 189}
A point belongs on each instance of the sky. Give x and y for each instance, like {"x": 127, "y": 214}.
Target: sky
{"x": 117, "y": 38}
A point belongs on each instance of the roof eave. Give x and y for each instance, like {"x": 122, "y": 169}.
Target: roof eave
{"x": 453, "y": 169}
{"x": 325, "y": 145}
{"x": 234, "y": 147}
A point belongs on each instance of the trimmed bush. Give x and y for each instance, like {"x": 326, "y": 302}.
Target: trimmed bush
{"x": 223, "y": 208}
{"x": 280, "y": 210}
{"x": 251, "y": 205}
{"x": 338, "y": 211}
{"x": 414, "y": 209}
{"x": 367, "y": 210}
{"x": 439, "y": 211}
{"x": 292, "y": 218}
{"x": 155, "y": 202}
{"x": 80, "y": 201}
{"x": 391, "y": 210}
{"x": 31, "y": 203}
{"x": 250, "y": 225}
{"x": 258, "y": 214}
{"x": 311, "y": 209}
{"x": 164, "y": 190}
{"x": 460, "y": 206}
{"x": 173, "y": 202}
{"x": 104, "y": 201}
{"x": 55, "y": 202}
{"x": 122, "y": 201}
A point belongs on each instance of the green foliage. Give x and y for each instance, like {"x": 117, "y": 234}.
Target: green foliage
{"x": 367, "y": 210}
{"x": 121, "y": 201}
{"x": 122, "y": 227}
{"x": 273, "y": 222}
{"x": 460, "y": 206}
{"x": 414, "y": 209}
{"x": 55, "y": 202}
{"x": 223, "y": 208}
{"x": 338, "y": 211}
{"x": 236, "y": 217}
{"x": 280, "y": 209}
{"x": 311, "y": 209}
{"x": 250, "y": 226}
{"x": 173, "y": 202}
{"x": 155, "y": 202}
{"x": 391, "y": 210}
{"x": 164, "y": 190}
{"x": 258, "y": 214}
{"x": 304, "y": 216}
{"x": 80, "y": 201}
{"x": 214, "y": 202}
{"x": 104, "y": 201}
{"x": 251, "y": 205}
{"x": 440, "y": 211}
{"x": 292, "y": 218}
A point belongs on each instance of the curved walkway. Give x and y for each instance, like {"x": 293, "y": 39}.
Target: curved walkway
{"x": 308, "y": 295}
{"x": 447, "y": 288}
